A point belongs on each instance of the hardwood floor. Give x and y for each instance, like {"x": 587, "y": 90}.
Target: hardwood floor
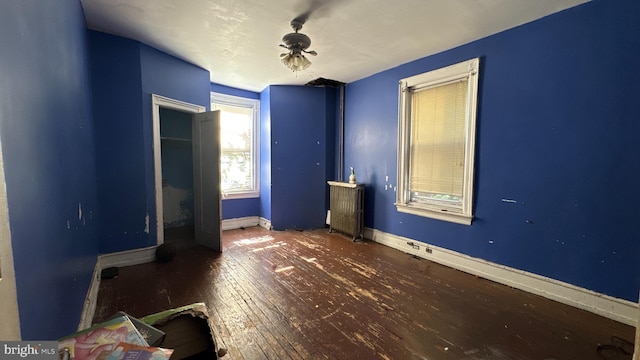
{"x": 314, "y": 295}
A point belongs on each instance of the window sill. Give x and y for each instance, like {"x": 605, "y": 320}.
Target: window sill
{"x": 435, "y": 214}
{"x": 242, "y": 195}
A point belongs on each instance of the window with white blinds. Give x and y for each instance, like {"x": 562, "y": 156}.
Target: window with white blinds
{"x": 436, "y": 141}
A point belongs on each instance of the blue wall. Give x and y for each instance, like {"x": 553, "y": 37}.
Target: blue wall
{"x": 117, "y": 98}
{"x": 126, "y": 74}
{"x": 557, "y": 129}
{"x": 227, "y": 90}
{"x": 48, "y": 144}
{"x": 299, "y": 156}
{"x": 171, "y": 77}
{"x": 237, "y": 208}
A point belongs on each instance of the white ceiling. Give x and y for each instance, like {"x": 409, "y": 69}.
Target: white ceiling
{"x": 237, "y": 40}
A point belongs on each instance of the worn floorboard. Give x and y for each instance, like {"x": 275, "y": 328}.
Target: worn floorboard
{"x": 314, "y": 295}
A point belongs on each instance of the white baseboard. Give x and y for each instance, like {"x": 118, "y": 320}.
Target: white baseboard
{"x": 617, "y": 309}
{"x": 118, "y": 259}
{"x": 265, "y": 223}
{"x": 142, "y": 256}
{"x": 620, "y": 310}
{"x": 243, "y": 222}
{"x": 89, "y": 308}
{"x": 128, "y": 258}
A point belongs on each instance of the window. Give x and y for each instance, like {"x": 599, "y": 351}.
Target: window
{"x": 239, "y": 136}
{"x": 436, "y": 140}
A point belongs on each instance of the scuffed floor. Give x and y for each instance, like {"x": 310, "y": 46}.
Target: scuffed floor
{"x": 314, "y": 295}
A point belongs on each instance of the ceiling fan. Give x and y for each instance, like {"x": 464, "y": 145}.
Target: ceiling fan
{"x": 297, "y": 43}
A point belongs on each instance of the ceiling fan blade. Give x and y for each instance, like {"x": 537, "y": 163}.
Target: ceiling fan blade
{"x": 315, "y": 6}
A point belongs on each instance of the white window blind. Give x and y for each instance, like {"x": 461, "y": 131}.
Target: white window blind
{"x": 438, "y": 139}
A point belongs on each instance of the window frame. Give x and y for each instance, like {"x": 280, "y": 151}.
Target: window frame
{"x": 254, "y": 104}
{"x": 467, "y": 69}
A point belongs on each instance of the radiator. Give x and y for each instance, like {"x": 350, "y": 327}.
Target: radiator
{"x": 346, "y": 202}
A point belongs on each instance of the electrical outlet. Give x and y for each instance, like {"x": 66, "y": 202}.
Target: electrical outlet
{"x": 413, "y": 245}
{"x": 428, "y": 250}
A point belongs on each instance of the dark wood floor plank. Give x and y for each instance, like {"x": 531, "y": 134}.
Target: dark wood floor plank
{"x": 314, "y": 295}
{"x": 262, "y": 298}
{"x": 262, "y": 329}
{"x": 273, "y": 262}
{"x": 263, "y": 290}
{"x": 339, "y": 299}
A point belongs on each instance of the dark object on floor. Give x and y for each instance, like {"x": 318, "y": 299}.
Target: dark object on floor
{"x": 624, "y": 345}
{"x": 187, "y": 332}
{"x": 618, "y": 349}
{"x": 109, "y": 273}
{"x": 165, "y": 253}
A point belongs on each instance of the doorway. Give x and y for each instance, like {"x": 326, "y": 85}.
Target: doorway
{"x": 186, "y": 171}
{"x": 176, "y": 152}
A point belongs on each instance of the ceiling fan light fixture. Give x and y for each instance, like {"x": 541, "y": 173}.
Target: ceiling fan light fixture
{"x": 297, "y": 44}
{"x": 297, "y": 39}
{"x": 296, "y": 61}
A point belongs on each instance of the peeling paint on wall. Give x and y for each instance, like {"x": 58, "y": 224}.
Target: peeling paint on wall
{"x": 146, "y": 223}
{"x": 177, "y": 207}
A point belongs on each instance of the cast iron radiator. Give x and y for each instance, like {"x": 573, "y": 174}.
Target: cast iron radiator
{"x": 346, "y": 202}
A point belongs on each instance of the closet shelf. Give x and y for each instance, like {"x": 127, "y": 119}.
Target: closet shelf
{"x": 167, "y": 138}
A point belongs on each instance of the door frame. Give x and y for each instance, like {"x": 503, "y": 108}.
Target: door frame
{"x": 10, "y": 324}
{"x": 158, "y": 102}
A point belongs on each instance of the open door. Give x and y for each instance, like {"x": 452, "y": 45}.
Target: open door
{"x": 206, "y": 179}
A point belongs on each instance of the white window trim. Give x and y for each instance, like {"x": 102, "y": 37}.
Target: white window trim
{"x": 468, "y": 69}
{"x": 231, "y": 100}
